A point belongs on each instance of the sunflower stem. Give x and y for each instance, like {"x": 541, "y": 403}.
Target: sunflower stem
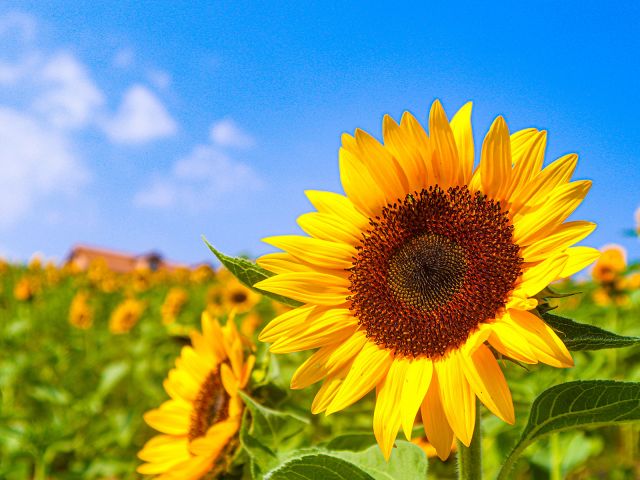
{"x": 470, "y": 458}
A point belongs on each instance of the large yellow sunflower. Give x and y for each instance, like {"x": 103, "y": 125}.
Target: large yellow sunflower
{"x": 425, "y": 260}
{"x": 204, "y": 413}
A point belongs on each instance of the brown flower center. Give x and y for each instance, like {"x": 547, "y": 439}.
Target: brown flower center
{"x": 210, "y": 406}
{"x": 431, "y": 269}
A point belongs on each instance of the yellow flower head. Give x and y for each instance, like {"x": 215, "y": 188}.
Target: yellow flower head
{"x": 80, "y": 313}
{"x": 198, "y": 424}
{"x": 202, "y": 273}
{"x": 126, "y": 315}
{"x": 610, "y": 265}
{"x": 26, "y": 288}
{"x": 238, "y": 297}
{"x": 173, "y": 303}
{"x": 425, "y": 260}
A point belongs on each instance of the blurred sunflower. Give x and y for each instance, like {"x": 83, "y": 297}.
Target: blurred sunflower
{"x": 607, "y": 273}
{"x": 172, "y": 306}
{"x": 126, "y": 315}
{"x": 200, "y": 421}
{"x": 238, "y": 297}
{"x": 405, "y": 278}
{"x": 80, "y": 313}
{"x": 26, "y": 288}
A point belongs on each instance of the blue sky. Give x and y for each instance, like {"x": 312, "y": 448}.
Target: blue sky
{"x": 142, "y": 125}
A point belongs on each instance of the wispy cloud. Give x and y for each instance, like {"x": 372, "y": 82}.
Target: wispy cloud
{"x": 70, "y": 98}
{"x": 199, "y": 181}
{"x": 140, "y": 118}
{"x": 36, "y": 162}
{"x": 225, "y": 133}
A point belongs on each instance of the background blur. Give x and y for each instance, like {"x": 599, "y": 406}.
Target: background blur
{"x": 142, "y": 125}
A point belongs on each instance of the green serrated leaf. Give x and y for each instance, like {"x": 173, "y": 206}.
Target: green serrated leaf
{"x": 579, "y": 336}
{"x": 407, "y": 461}
{"x": 267, "y": 434}
{"x": 577, "y": 404}
{"x": 318, "y": 467}
{"x": 249, "y": 274}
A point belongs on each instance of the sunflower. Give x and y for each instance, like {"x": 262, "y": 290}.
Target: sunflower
{"x": 173, "y": 303}
{"x": 200, "y": 421}
{"x": 425, "y": 261}
{"x": 126, "y": 315}
{"x": 80, "y": 313}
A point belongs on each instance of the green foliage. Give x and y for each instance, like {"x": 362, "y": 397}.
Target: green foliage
{"x": 268, "y": 434}
{"x": 407, "y": 462}
{"x": 578, "y": 404}
{"x": 579, "y": 336}
{"x": 249, "y": 273}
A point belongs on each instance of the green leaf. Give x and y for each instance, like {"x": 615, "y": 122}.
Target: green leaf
{"x": 407, "y": 462}
{"x": 318, "y": 467}
{"x": 579, "y": 336}
{"x": 249, "y": 273}
{"x": 111, "y": 375}
{"x": 267, "y": 434}
{"x": 577, "y": 404}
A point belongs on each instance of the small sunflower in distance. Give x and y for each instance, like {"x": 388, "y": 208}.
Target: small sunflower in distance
{"x": 201, "y": 419}
{"x": 425, "y": 261}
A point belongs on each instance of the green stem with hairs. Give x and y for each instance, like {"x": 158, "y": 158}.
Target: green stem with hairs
{"x": 470, "y": 458}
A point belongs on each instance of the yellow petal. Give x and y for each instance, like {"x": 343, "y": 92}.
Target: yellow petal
{"x": 215, "y": 439}
{"x": 408, "y": 148}
{"x": 329, "y": 389}
{"x": 315, "y": 251}
{"x": 386, "y": 416}
{"x": 323, "y": 328}
{"x": 416, "y": 383}
{"x": 360, "y": 186}
{"x": 488, "y": 382}
{"x": 538, "y": 190}
{"x": 171, "y": 418}
{"x": 384, "y": 169}
{"x": 527, "y": 156}
{"x": 535, "y": 279}
{"x": 463, "y": 135}
{"x": 446, "y": 166}
{"x": 506, "y": 339}
{"x": 368, "y": 368}
{"x": 338, "y": 205}
{"x": 562, "y": 237}
{"x": 561, "y": 203}
{"x": 287, "y": 321}
{"x": 579, "y": 258}
{"x": 436, "y": 425}
{"x": 543, "y": 341}
{"x": 458, "y": 399}
{"x": 495, "y": 162}
{"x": 164, "y": 447}
{"x": 326, "y": 226}
{"x": 308, "y": 287}
{"x": 282, "y": 262}
{"x": 327, "y": 360}
{"x": 521, "y": 142}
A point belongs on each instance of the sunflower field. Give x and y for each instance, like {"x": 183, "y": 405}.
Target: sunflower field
{"x": 429, "y": 325}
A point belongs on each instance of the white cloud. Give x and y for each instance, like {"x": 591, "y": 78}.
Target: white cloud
{"x": 71, "y": 99}
{"x": 36, "y": 162}
{"x": 140, "y": 118}
{"x": 199, "y": 181}
{"x": 226, "y": 133}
